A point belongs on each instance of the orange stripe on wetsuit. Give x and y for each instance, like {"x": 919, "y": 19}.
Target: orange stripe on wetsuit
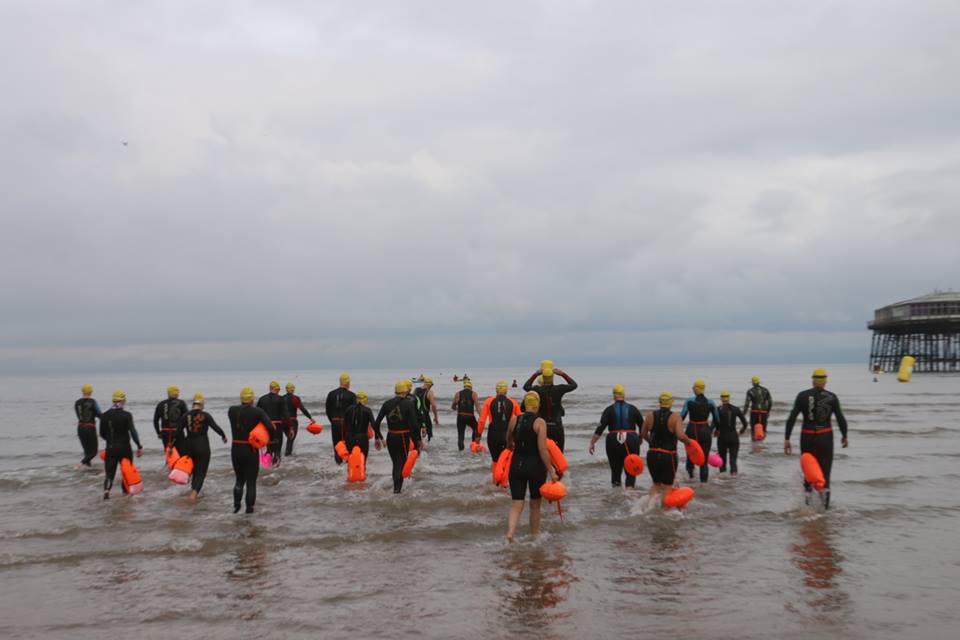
{"x": 817, "y": 431}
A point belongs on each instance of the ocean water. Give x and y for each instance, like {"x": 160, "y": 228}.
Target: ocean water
{"x": 324, "y": 559}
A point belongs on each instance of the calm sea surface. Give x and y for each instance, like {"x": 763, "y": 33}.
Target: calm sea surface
{"x": 321, "y": 559}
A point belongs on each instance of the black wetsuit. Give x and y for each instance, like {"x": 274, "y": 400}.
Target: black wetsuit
{"x": 816, "y": 435}
{"x": 87, "y": 411}
{"x": 699, "y": 410}
{"x": 501, "y": 410}
{"x": 116, "y": 428}
{"x": 423, "y": 411}
{"x": 551, "y": 406}
{"x": 662, "y": 454}
{"x": 403, "y": 433}
{"x": 526, "y": 466}
{"x": 728, "y": 440}
{"x": 466, "y": 416}
{"x": 624, "y": 421}
{"x": 166, "y": 422}
{"x": 758, "y": 402}
{"x": 246, "y": 459}
{"x": 357, "y": 421}
{"x": 193, "y": 431}
{"x": 337, "y": 402}
{"x": 293, "y": 405}
{"x": 274, "y": 406}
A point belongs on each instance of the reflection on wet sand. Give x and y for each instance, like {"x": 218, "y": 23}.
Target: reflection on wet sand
{"x": 814, "y": 555}
{"x": 247, "y": 575}
{"x": 536, "y": 581}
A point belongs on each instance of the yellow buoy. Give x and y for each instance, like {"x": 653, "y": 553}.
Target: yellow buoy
{"x": 906, "y": 368}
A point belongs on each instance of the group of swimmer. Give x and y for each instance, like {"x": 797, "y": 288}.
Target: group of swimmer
{"x": 524, "y": 436}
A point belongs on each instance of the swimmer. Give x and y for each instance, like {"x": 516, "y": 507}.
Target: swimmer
{"x": 530, "y": 466}
{"x": 403, "y": 430}
{"x": 758, "y": 403}
{"x": 294, "y": 406}
{"x": 551, "y": 398}
{"x": 465, "y": 404}
{"x": 661, "y": 429}
{"x": 166, "y": 419}
{"x": 728, "y": 441}
{"x": 337, "y": 403}
{"x": 498, "y": 409}
{"x": 193, "y": 432}
{"x": 88, "y": 411}
{"x": 116, "y": 428}
{"x": 357, "y": 422}
{"x": 426, "y": 403}
{"x": 624, "y": 422}
{"x": 818, "y": 406}
{"x": 244, "y": 417}
{"x": 700, "y": 409}
{"x": 274, "y": 406}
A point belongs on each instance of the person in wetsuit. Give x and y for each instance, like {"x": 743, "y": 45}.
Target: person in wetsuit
{"x": 551, "y": 398}
{"x": 273, "y": 405}
{"x": 357, "y": 422}
{"x": 624, "y": 422}
{"x": 758, "y": 403}
{"x": 728, "y": 440}
{"x": 244, "y": 417}
{"x": 166, "y": 419}
{"x": 498, "y": 409}
{"x": 294, "y": 405}
{"x": 116, "y": 428}
{"x": 426, "y": 403}
{"x": 662, "y": 429}
{"x": 337, "y": 402}
{"x": 700, "y": 410}
{"x": 87, "y": 411}
{"x": 403, "y": 430}
{"x": 465, "y": 404}
{"x": 816, "y": 434}
{"x": 193, "y": 432}
{"x": 530, "y": 465}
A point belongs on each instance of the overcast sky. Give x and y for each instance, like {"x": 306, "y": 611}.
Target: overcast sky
{"x": 466, "y": 184}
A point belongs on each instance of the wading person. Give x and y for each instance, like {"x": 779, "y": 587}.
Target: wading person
{"x": 623, "y": 420}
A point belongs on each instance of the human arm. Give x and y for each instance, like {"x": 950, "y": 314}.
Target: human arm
{"x": 510, "y": 427}
{"x": 303, "y": 408}
{"x": 604, "y": 423}
{"x": 213, "y": 425}
{"x": 791, "y": 420}
{"x": 540, "y": 427}
{"x": 484, "y": 415}
{"x": 841, "y": 422}
{"x": 645, "y": 427}
{"x": 157, "y": 414}
{"x": 570, "y": 381}
{"x": 433, "y": 406}
{"x": 675, "y": 424}
{"x": 135, "y": 435}
{"x": 267, "y": 422}
{"x": 747, "y": 401}
{"x": 685, "y": 410}
{"x": 742, "y": 419}
{"x": 528, "y": 385}
{"x": 380, "y": 417}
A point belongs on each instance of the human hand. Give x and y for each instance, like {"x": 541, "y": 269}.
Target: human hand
{"x": 787, "y": 448}
{"x": 224, "y": 438}
{"x": 844, "y": 442}
{"x": 139, "y": 451}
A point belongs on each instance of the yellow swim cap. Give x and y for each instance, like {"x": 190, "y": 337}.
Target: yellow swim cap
{"x": 173, "y": 391}
{"x": 820, "y": 373}
{"x": 755, "y": 379}
{"x": 291, "y": 387}
{"x": 344, "y": 378}
{"x": 468, "y": 384}
{"x": 618, "y": 390}
{"x": 531, "y": 400}
{"x": 699, "y": 384}
{"x": 362, "y": 397}
{"x": 724, "y": 394}
{"x": 666, "y": 399}
{"x": 400, "y": 386}
{"x": 274, "y": 385}
{"x": 246, "y": 394}
{"x": 502, "y": 386}
{"x": 88, "y": 389}
{"x": 428, "y": 380}
{"x": 119, "y": 396}
{"x": 198, "y": 398}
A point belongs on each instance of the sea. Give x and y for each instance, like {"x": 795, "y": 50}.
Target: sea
{"x": 323, "y": 558}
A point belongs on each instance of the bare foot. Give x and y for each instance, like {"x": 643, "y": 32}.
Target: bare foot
{"x": 510, "y": 538}
{"x": 193, "y": 495}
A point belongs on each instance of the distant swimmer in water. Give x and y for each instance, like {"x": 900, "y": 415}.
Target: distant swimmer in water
{"x": 758, "y": 403}
{"x": 818, "y": 406}
{"x": 514, "y": 385}
{"x": 456, "y": 378}
{"x": 426, "y": 404}
{"x": 244, "y": 417}
{"x": 662, "y": 429}
{"x": 624, "y": 422}
{"x": 728, "y": 441}
{"x": 294, "y": 407}
{"x": 87, "y": 411}
{"x": 465, "y": 404}
{"x": 338, "y": 401}
{"x": 403, "y": 430}
{"x": 274, "y": 406}
{"x": 530, "y": 466}
{"x": 166, "y": 419}
{"x": 551, "y": 398}
{"x": 357, "y": 422}
{"x": 116, "y": 428}
{"x": 193, "y": 432}
{"x": 498, "y": 409}
{"x": 700, "y": 410}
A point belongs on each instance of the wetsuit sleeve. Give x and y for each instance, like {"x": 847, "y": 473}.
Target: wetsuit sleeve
{"x": 746, "y": 402}
{"x": 380, "y": 417}
{"x": 157, "y": 413}
{"x": 716, "y": 414}
{"x": 571, "y": 383}
{"x": 96, "y": 409}
{"x": 76, "y": 408}
{"x": 739, "y": 415}
{"x": 303, "y": 408}
{"x": 604, "y": 422}
{"x": 484, "y": 414}
{"x": 528, "y": 385}
{"x": 686, "y": 408}
{"x": 103, "y": 430}
{"x": 410, "y": 418}
{"x": 134, "y": 434}
{"x": 841, "y": 419}
{"x": 792, "y": 418}
{"x": 328, "y": 407}
{"x": 267, "y": 422}
{"x": 637, "y": 417}
{"x": 213, "y": 425}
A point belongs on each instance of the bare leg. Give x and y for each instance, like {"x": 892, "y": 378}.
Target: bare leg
{"x": 515, "y": 510}
{"x": 535, "y": 517}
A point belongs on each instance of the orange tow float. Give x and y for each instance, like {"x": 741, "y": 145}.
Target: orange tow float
{"x": 553, "y": 491}
{"x": 411, "y": 460}
{"x": 501, "y": 468}
{"x": 633, "y": 464}
{"x": 678, "y": 497}
{"x": 356, "y": 466}
{"x": 130, "y": 477}
{"x": 695, "y": 453}
{"x": 557, "y": 458}
{"x": 812, "y": 472}
{"x": 315, "y": 428}
{"x": 758, "y": 433}
{"x": 182, "y": 468}
{"x": 259, "y": 436}
{"x": 341, "y": 450}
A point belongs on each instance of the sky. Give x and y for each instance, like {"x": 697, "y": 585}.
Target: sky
{"x": 252, "y": 185}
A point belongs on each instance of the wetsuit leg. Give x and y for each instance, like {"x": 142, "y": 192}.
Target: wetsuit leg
{"x": 808, "y": 445}
{"x": 824, "y": 454}
{"x": 734, "y": 448}
{"x": 112, "y": 459}
{"x": 632, "y": 445}
{"x": 396, "y": 446}
{"x": 615, "y": 455}
{"x": 496, "y": 443}
{"x": 722, "y": 451}
{"x": 706, "y": 441}
{"x": 461, "y": 431}
{"x": 690, "y": 433}
{"x": 246, "y": 468}
{"x": 201, "y": 462}
{"x": 555, "y": 433}
{"x": 526, "y": 471}
{"x": 88, "y": 440}
{"x": 472, "y": 423}
{"x": 294, "y": 426}
{"x": 336, "y": 435}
